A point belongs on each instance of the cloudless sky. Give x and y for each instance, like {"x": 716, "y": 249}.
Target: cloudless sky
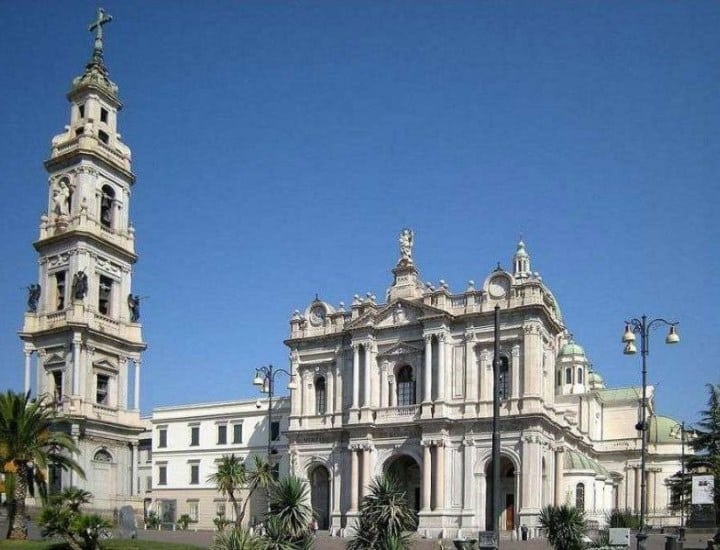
{"x": 280, "y": 147}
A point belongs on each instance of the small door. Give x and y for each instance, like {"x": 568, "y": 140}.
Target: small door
{"x": 509, "y": 512}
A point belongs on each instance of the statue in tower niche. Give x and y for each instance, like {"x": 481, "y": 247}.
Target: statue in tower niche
{"x": 134, "y": 307}
{"x": 61, "y": 199}
{"x": 406, "y": 244}
{"x": 79, "y": 285}
{"x": 33, "y": 297}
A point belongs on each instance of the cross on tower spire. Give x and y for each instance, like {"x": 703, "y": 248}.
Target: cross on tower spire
{"x": 103, "y": 18}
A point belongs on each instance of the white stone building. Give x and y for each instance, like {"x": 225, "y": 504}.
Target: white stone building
{"x": 82, "y": 322}
{"x": 189, "y": 440}
{"x": 406, "y": 387}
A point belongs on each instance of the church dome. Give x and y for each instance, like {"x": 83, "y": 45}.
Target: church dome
{"x": 660, "y": 428}
{"x": 572, "y": 348}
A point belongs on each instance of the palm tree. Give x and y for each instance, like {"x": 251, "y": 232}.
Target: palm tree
{"x": 564, "y": 526}
{"x": 290, "y": 507}
{"x": 28, "y": 445}
{"x": 229, "y": 479}
{"x": 260, "y": 476}
{"x": 385, "y": 517}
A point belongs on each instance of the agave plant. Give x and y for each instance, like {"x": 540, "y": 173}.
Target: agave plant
{"x": 236, "y": 539}
{"x": 564, "y": 526}
{"x": 290, "y": 507}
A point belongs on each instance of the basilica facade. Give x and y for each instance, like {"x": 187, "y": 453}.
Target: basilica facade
{"x": 406, "y": 387}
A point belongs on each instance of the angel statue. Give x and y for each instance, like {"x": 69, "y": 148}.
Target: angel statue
{"x": 406, "y": 244}
{"x": 134, "y": 307}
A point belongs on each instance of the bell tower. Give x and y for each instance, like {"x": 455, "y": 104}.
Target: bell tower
{"x": 82, "y": 320}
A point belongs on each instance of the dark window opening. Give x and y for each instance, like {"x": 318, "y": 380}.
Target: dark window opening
{"x": 580, "y": 375}
{"x": 568, "y": 376}
{"x": 101, "y": 393}
{"x": 504, "y": 389}
{"x": 106, "y": 204}
{"x": 194, "y": 474}
{"x": 79, "y": 131}
{"x": 559, "y": 378}
{"x": 274, "y": 431}
{"x": 320, "y": 396}
{"x": 194, "y": 436}
{"x": 104, "y": 295}
{"x": 162, "y": 475}
{"x": 405, "y": 387}
{"x": 81, "y": 111}
{"x": 162, "y": 438}
{"x": 103, "y": 137}
{"x": 103, "y": 115}
{"x": 60, "y": 290}
{"x": 57, "y": 385}
{"x": 580, "y": 497}
{"x": 237, "y": 433}
{"x": 222, "y": 435}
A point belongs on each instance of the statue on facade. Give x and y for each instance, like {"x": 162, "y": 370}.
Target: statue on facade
{"x": 134, "y": 307}
{"x": 406, "y": 244}
{"x": 61, "y": 199}
{"x": 79, "y": 285}
{"x": 33, "y": 297}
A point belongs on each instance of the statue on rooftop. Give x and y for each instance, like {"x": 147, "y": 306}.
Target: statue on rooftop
{"x": 33, "y": 297}
{"x": 79, "y": 285}
{"x": 406, "y": 244}
{"x": 134, "y": 307}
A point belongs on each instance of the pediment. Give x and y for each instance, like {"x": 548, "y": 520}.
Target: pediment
{"x": 104, "y": 364}
{"x": 403, "y": 312}
{"x": 401, "y": 348}
{"x": 54, "y": 359}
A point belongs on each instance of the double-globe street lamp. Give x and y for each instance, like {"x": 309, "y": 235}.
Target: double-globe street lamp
{"x": 678, "y": 431}
{"x": 642, "y": 327}
{"x": 265, "y": 381}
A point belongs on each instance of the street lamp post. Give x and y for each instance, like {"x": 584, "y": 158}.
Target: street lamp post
{"x": 681, "y": 433}
{"x": 642, "y": 327}
{"x": 265, "y": 381}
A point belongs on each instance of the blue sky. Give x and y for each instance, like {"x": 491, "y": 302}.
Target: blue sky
{"x": 280, "y": 147}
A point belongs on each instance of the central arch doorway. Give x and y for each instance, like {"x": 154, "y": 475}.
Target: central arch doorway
{"x": 320, "y": 495}
{"x": 507, "y": 494}
{"x": 406, "y": 471}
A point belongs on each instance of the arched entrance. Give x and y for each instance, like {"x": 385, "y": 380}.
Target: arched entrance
{"x": 320, "y": 495}
{"x": 507, "y": 494}
{"x": 407, "y": 473}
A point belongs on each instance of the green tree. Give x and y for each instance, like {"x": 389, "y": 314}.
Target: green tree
{"x": 232, "y": 476}
{"x": 385, "y": 518}
{"x": 62, "y": 517}
{"x": 564, "y": 526}
{"x": 29, "y": 442}
{"x": 707, "y": 441}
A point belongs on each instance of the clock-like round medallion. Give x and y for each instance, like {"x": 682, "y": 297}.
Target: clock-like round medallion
{"x": 317, "y": 315}
{"x": 498, "y": 286}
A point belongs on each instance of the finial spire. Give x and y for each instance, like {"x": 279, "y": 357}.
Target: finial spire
{"x": 103, "y": 18}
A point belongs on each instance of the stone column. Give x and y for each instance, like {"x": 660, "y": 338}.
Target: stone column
{"x": 367, "y": 462}
{"x": 441, "y": 367}
{"x": 367, "y": 398}
{"x": 427, "y": 477}
{"x": 486, "y": 379}
{"x": 133, "y": 467}
{"x": 558, "y": 476}
{"x": 532, "y": 346}
{"x": 467, "y": 475}
{"x": 392, "y": 394}
{"x": 354, "y": 479}
{"x": 336, "y": 485}
{"x": 384, "y": 393}
{"x": 338, "y": 384}
{"x": 531, "y": 474}
{"x": 651, "y": 475}
{"x": 515, "y": 375}
{"x": 356, "y": 376}
{"x": 330, "y": 392}
{"x": 136, "y": 397}
{"x": 440, "y": 476}
{"x": 427, "y": 397}
{"x": 77, "y": 339}
{"x": 372, "y": 374}
{"x": 295, "y": 395}
{"x": 471, "y": 378}
{"x": 28, "y": 365}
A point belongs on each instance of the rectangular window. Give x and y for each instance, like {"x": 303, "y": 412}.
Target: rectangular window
{"x": 194, "y": 474}
{"x": 105, "y": 295}
{"x": 60, "y": 290}
{"x": 222, "y": 434}
{"x": 275, "y": 431}
{"x": 103, "y": 136}
{"x": 81, "y": 111}
{"x": 220, "y": 509}
{"x": 148, "y": 487}
{"x": 57, "y": 385}
{"x": 237, "y": 433}
{"x": 101, "y": 392}
{"x": 162, "y": 475}
{"x": 162, "y": 437}
{"x": 103, "y": 115}
{"x": 194, "y": 436}
{"x": 193, "y": 506}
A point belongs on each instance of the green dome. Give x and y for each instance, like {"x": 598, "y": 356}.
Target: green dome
{"x": 572, "y": 349}
{"x": 578, "y": 461}
{"x": 660, "y": 428}
{"x": 595, "y": 378}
